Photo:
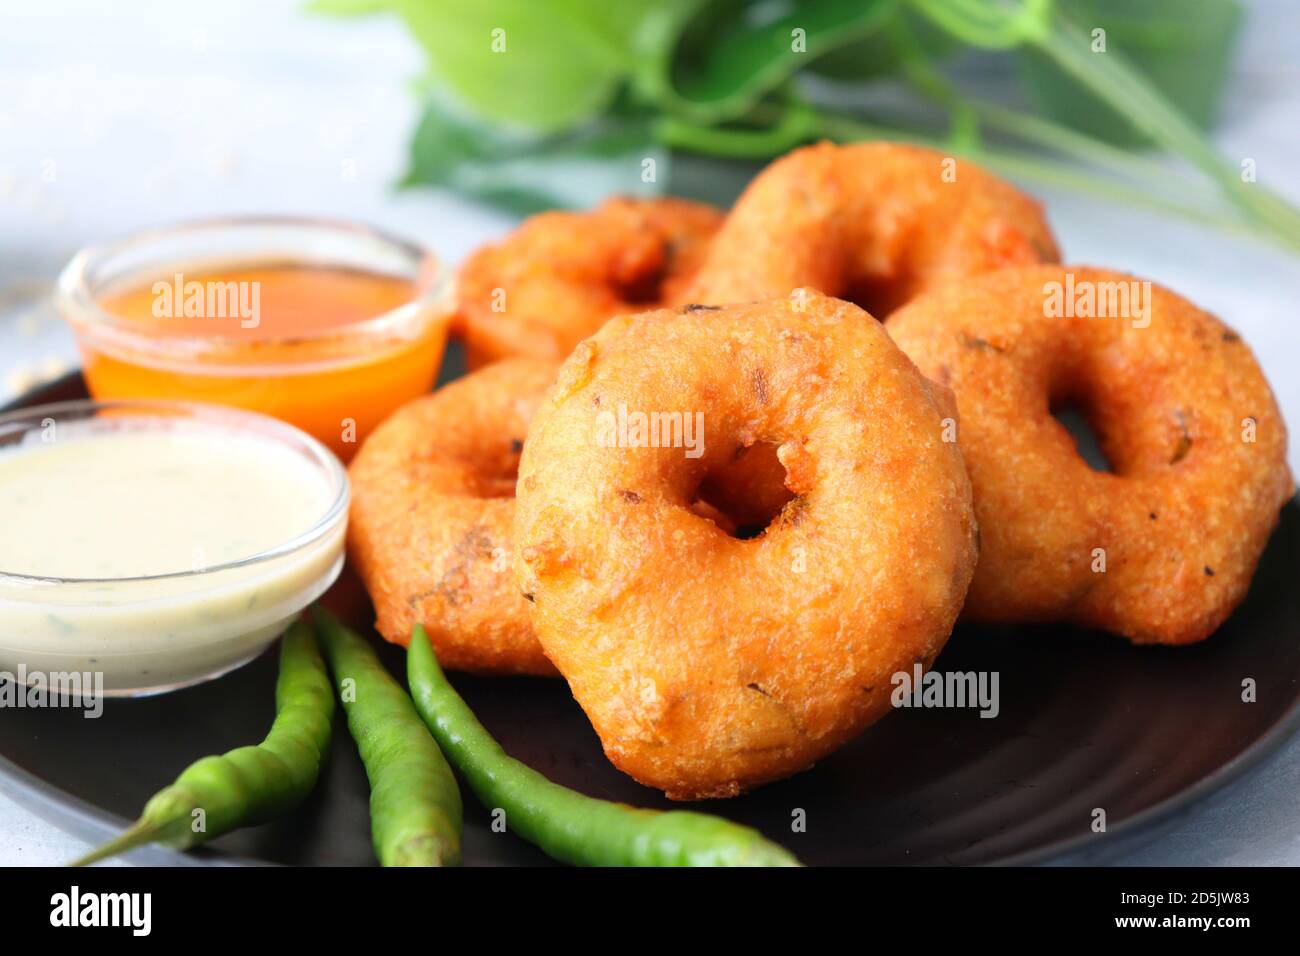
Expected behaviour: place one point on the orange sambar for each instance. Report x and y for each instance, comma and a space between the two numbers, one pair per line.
331, 349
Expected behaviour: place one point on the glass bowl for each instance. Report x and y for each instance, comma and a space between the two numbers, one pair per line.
336, 382
151, 633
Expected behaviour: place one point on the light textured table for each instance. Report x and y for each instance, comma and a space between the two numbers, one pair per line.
113, 116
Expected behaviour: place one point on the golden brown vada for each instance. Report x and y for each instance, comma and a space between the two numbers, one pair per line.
708, 663
553, 281
877, 223
1161, 548
432, 505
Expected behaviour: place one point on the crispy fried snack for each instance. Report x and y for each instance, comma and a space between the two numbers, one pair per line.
877, 223
1163, 547
432, 504
555, 279
707, 663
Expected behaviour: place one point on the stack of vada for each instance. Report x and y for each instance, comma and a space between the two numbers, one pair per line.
863, 350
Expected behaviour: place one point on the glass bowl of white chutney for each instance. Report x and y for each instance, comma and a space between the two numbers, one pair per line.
148, 545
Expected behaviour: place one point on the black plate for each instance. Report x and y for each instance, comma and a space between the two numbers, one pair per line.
1086, 722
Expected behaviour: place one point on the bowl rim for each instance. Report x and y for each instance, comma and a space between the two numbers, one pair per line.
238, 421
76, 301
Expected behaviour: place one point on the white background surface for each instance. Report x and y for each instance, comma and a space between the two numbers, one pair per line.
119, 115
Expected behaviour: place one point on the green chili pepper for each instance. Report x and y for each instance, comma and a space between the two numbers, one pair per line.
249, 785
565, 824
415, 809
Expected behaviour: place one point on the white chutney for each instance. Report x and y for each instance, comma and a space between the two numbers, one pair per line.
158, 544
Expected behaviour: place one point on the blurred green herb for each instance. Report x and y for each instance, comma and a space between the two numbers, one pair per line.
527, 171
1184, 52
596, 88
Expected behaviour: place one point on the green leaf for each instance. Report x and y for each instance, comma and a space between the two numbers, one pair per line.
543, 66
877, 55
348, 8
1185, 54
723, 68
527, 172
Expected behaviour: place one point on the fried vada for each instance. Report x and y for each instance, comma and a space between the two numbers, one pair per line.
1161, 547
877, 223
709, 663
432, 505
554, 280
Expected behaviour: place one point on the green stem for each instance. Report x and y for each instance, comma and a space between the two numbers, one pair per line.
1037, 24
794, 122
930, 82
992, 26
1062, 139
135, 836
1121, 86
843, 128
791, 122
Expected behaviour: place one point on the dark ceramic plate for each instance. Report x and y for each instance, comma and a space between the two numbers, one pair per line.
1087, 722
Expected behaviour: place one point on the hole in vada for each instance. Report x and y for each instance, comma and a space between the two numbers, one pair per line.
744, 496
498, 472
645, 287
1073, 417
879, 295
